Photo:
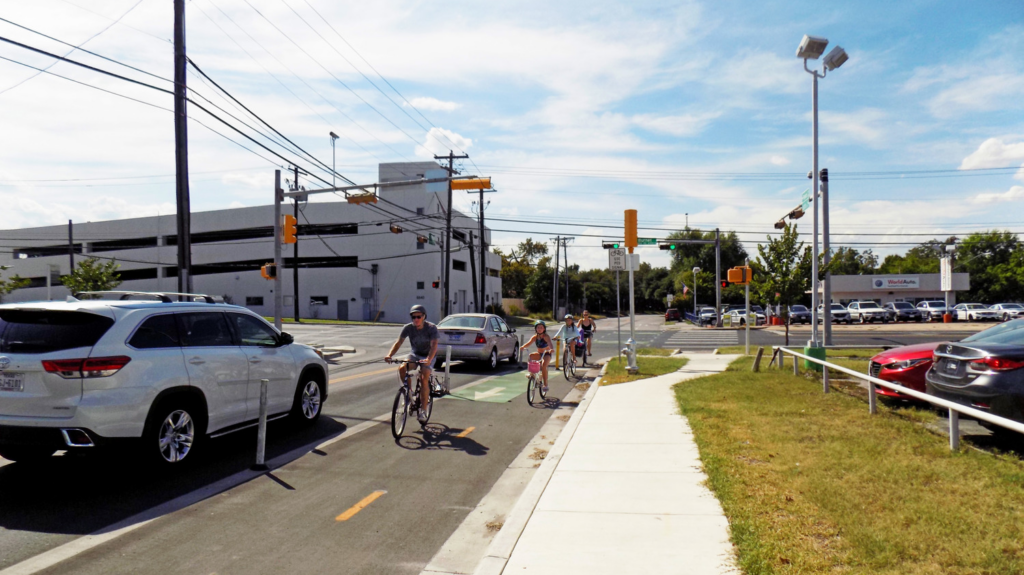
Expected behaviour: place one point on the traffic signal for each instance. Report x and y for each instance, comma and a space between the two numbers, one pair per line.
611, 245
435, 284
268, 271
725, 284
366, 198
290, 230
472, 184
396, 229
422, 239
630, 230
780, 224
740, 275
666, 246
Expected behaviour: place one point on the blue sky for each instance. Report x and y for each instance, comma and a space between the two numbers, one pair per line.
577, 110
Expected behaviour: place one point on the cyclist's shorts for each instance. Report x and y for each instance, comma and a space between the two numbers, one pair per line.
423, 367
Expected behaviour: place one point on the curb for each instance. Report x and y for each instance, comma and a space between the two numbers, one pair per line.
500, 550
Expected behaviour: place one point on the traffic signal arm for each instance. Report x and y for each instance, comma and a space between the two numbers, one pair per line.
472, 184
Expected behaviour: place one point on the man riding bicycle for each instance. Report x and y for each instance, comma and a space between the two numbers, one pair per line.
587, 329
422, 336
572, 335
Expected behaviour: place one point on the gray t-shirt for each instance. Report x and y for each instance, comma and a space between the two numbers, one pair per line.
420, 339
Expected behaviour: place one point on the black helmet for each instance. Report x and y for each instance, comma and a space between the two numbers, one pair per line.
418, 309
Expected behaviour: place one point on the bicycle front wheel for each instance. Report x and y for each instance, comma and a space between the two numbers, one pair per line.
399, 412
565, 363
531, 389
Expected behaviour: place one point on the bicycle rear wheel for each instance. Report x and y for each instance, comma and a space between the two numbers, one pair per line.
531, 389
399, 412
565, 363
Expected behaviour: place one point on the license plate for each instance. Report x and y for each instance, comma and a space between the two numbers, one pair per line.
454, 336
12, 381
952, 365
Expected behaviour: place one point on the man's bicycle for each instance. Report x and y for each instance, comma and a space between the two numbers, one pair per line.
569, 359
407, 400
586, 338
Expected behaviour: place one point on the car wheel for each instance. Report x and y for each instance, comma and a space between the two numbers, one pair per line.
25, 454
886, 320
514, 358
309, 399
862, 320
172, 432
1006, 317
970, 318
492, 360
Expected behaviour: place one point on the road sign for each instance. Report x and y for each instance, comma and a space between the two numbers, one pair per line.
805, 200
670, 297
646, 241
617, 260
946, 279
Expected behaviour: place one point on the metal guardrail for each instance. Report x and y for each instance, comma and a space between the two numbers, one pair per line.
955, 409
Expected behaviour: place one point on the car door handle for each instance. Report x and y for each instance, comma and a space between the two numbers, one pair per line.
196, 361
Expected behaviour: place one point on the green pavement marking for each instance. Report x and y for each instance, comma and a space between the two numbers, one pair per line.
500, 389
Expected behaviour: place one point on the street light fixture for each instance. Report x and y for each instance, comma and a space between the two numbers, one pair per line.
811, 48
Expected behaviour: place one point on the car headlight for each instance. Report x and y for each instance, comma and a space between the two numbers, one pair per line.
907, 363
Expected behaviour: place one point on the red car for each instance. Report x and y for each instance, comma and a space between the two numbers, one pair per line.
905, 366
673, 315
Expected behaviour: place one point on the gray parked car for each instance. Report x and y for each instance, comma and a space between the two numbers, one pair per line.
932, 310
839, 314
478, 337
799, 314
903, 311
867, 311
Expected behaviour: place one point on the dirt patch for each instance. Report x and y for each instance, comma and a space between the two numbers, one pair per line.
538, 454
565, 417
582, 386
495, 526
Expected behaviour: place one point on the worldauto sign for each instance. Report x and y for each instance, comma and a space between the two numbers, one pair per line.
900, 282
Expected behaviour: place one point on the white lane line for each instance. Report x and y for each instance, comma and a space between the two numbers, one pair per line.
84, 543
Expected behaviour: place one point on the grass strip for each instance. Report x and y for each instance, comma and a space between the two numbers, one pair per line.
811, 483
649, 367
655, 351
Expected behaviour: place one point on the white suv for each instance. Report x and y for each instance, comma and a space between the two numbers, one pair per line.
78, 375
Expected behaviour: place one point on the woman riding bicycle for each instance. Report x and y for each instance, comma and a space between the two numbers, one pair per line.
587, 329
545, 347
571, 335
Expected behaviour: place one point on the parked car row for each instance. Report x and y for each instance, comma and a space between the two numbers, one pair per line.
984, 371
869, 311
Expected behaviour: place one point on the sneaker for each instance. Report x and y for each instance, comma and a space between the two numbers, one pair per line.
422, 416
544, 389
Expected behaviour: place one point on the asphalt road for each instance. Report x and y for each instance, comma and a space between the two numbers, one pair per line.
218, 517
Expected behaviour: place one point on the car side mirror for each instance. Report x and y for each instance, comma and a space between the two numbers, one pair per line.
285, 339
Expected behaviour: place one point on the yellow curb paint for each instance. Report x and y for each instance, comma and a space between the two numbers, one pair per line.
350, 513
363, 375
466, 432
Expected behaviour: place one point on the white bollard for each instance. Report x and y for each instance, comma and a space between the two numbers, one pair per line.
796, 365
872, 401
954, 430
261, 436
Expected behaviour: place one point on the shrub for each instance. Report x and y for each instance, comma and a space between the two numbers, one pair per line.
514, 310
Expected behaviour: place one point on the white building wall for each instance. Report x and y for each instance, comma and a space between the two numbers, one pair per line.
402, 267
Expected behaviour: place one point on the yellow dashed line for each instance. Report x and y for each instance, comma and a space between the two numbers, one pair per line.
466, 432
351, 512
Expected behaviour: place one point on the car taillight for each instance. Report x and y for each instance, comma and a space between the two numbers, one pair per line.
66, 368
480, 339
91, 367
996, 364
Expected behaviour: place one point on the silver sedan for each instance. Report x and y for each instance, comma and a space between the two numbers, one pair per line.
478, 337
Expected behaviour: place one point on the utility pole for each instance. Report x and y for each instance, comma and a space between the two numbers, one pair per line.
184, 207
295, 255
451, 157
718, 278
565, 254
478, 306
71, 248
483, 256
278, 298
827, 296
554, 284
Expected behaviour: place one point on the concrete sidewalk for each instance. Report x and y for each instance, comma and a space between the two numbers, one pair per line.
628, 494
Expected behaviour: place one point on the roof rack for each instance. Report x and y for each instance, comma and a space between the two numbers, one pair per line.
164, 297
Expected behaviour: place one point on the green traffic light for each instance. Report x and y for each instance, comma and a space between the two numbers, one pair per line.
616, 246
671, 246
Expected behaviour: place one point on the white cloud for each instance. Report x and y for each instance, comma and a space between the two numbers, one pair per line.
682, 125
779, 160
995, 153
868, 126
1014, 193
433, 104
439, 141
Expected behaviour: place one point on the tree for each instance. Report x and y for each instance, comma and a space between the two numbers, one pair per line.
777, 275
529, 251
9, 285
514, 275
991, 259
849, 261
538, 287
90, 275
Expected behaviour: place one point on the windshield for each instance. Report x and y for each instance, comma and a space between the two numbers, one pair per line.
838, 307
470, 322
902, 305
934, 304
975, 306
1011, 306
756, 308
1009, 332
798, 308
45, 331
868, 304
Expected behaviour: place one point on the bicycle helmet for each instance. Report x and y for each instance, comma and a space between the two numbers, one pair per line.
568, 316
418, 309
540, 323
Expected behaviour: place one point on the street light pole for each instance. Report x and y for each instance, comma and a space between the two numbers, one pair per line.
334, 159
696, 317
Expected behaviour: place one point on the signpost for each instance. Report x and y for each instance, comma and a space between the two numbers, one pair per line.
617, 263
805, 200
647, 241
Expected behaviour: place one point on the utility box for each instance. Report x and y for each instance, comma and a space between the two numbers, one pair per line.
817, 353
